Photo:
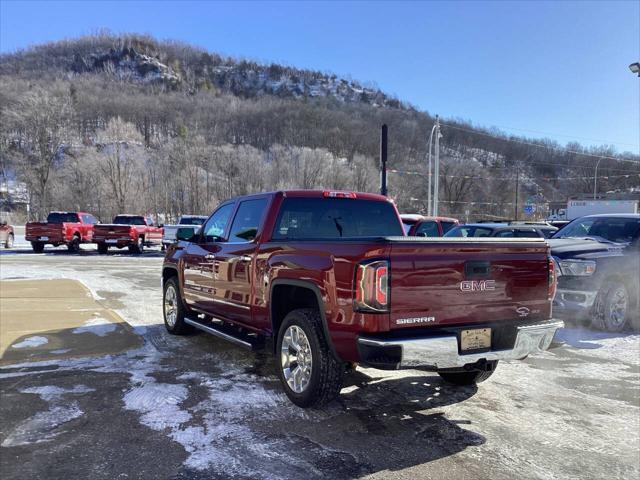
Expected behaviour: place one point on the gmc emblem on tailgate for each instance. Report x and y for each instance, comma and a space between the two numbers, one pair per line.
477, 285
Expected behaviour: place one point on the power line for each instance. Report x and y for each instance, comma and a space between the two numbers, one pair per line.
606, 142
546, 147
542, 177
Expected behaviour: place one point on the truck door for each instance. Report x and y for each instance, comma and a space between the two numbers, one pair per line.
198, 261
234, 263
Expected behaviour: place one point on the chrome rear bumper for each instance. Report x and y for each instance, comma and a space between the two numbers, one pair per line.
439, 352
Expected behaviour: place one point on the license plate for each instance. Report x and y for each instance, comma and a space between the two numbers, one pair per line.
44, 239
476, 339
111, 241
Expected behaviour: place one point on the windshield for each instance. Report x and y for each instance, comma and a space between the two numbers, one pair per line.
469, 231
192, 220
62, 217
619, 230
332, 218
129, 220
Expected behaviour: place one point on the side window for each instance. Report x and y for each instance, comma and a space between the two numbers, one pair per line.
505, 234
215, 228
427, 229
446, 226
247, 220
528, 233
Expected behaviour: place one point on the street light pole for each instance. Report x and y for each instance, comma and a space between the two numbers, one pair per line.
429, 203
436, 180
595, 180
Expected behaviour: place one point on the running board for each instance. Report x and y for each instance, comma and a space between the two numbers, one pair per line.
227, 333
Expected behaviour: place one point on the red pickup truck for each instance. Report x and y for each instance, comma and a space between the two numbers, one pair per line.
133, 231
61, 228
327, 280
421, 226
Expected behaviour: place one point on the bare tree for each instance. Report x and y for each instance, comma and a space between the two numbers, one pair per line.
42, 119
119, 147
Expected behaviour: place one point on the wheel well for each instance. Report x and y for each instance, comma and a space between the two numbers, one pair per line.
167, 273
285, 298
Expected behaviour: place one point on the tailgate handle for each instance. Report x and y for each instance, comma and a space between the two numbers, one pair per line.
477, 269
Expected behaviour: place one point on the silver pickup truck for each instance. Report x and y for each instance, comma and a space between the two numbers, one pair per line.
186, 221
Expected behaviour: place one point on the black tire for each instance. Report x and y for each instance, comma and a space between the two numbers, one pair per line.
103, 248
137, 247
37, 247
468, 378
177, 327
8, 243
326, 371
613, 307
74, 245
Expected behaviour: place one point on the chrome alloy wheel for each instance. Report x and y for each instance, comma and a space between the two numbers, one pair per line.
170, 306
618, 306
296, 359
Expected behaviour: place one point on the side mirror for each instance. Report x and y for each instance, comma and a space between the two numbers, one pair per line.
161, 225
185, 234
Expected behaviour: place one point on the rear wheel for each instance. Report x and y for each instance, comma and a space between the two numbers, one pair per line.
612, 310
9, 241
469, 378
137, 247
103, 248
309, 372
173, 309
74, 245
38, 247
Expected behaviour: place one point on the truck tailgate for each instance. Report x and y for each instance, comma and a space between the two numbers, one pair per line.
42, 230
111, 231
450, 281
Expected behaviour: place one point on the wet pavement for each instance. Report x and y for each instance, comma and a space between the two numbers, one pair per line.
159, 406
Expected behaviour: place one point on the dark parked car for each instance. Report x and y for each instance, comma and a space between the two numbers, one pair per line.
599, 267
502, 230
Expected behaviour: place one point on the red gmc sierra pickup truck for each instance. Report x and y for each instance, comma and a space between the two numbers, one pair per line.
133, 231
61, 228
326, 280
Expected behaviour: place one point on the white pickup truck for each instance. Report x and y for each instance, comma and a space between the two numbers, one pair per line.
186, 221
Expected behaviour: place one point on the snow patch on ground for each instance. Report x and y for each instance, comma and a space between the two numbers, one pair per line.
44, 426
31, 342
98, 326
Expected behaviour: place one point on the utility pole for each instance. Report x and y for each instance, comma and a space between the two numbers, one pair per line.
436, 180
383, 160
517, 185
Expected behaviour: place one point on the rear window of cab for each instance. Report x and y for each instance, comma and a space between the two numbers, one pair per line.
335, 218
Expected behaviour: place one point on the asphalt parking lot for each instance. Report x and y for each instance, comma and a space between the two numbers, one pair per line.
92, 387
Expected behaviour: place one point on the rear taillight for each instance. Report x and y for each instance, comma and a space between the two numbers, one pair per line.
553, 279
372, 287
